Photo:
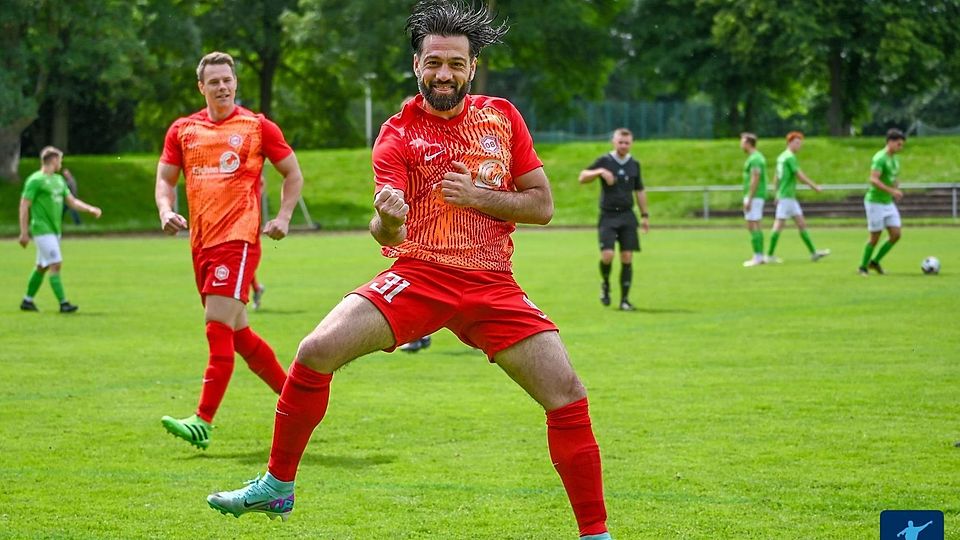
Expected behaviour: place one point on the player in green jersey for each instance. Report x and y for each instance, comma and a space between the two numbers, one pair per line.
41, 216
754, 194
879, 202
785, 186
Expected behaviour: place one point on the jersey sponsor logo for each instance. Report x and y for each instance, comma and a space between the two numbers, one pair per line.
229, 161
198, 171
490, 144
491, 174
235, 140
221, 272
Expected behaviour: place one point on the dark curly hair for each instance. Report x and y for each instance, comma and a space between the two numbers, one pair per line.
454, 18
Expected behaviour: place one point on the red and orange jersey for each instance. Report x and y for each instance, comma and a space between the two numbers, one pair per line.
413, 152
222, 162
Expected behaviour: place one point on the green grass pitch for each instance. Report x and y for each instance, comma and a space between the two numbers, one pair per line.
795, 401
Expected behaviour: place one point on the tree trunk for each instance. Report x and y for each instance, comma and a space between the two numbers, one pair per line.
10, 148
61, 124
835, 115
271, 60
480, 78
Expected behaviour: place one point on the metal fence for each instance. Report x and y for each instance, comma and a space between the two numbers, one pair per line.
954, 188
647, 120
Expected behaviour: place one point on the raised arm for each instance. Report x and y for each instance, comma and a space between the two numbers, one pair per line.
290, 190
589, 175
388, 226
532, 202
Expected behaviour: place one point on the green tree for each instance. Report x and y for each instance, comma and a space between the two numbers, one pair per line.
61, 52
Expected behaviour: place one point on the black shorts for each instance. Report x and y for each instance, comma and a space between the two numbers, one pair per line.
619, 227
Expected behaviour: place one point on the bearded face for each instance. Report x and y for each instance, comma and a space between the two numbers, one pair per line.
443, 96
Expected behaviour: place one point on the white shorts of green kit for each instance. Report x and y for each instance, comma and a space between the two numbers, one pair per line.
756, 210
48, 249
880, 216
788, 208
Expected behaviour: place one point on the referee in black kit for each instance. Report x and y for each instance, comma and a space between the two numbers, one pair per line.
621, 182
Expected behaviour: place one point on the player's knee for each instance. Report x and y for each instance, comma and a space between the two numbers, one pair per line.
894, 236
315, 352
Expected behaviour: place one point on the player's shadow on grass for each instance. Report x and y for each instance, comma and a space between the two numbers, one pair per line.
662, 311
260, 457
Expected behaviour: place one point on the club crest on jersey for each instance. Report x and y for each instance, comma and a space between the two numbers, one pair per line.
490, 144
235, 140
229, 161
221, 272
490, 174
430, 150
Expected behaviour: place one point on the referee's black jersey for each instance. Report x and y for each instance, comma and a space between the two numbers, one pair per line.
618, 197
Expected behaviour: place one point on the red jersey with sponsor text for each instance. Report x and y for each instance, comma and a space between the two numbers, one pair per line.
222, 162
413, 152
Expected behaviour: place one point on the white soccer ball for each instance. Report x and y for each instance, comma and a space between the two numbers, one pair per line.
930, 265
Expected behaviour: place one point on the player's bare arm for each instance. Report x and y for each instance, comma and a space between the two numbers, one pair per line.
165, 195
875, 180
24, 222
806, 180
77, 204
531, 203
388, 226
278, 227
589, 175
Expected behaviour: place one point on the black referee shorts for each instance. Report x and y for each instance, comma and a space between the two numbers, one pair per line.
619, 227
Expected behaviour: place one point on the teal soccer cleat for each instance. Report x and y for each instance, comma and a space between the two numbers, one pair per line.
194, 430
263, 494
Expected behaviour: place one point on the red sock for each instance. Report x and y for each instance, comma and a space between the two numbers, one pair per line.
219, 369
302, 405
260, 358
576, 457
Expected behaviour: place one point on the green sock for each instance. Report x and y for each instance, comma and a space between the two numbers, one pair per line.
887, 246
867, 252
805, 236
756, 239
57, 286
774, 238
36, 279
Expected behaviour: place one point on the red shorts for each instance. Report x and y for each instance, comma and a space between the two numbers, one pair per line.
226, 269
485, 309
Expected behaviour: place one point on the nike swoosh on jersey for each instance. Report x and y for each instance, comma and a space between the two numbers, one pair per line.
429, 157
219, 283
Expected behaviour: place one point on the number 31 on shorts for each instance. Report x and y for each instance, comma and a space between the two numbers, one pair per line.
391, 286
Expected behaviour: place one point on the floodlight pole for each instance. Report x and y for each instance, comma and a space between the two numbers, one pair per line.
368, 107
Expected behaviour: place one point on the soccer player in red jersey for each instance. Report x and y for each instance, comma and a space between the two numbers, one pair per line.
221, 151
454, 173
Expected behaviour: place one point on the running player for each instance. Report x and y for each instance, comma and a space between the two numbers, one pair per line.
41, 218
454, 172
221, 151
785, 186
